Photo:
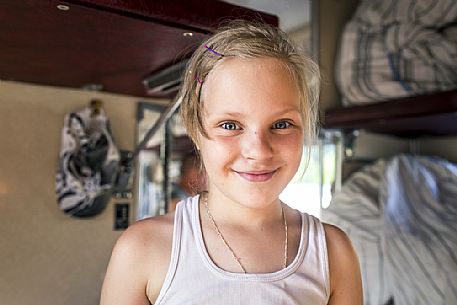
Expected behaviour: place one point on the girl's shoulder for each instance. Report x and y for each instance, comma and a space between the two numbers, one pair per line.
141, 257
151, 228
153, 237
151, 233
335, 235
345, 279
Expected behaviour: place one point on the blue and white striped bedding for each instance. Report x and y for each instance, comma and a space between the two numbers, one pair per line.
397, 48
401, 216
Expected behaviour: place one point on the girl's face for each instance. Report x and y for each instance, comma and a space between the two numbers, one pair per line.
251, 114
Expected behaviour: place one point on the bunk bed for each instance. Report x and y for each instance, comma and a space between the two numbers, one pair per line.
400, 211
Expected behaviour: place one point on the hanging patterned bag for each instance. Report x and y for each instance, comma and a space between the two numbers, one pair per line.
88, 162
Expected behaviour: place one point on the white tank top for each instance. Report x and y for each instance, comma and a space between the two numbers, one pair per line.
193, 278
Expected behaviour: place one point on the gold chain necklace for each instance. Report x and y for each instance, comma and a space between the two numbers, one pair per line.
237, 259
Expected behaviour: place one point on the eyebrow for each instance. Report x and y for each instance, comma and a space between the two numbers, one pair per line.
239, 114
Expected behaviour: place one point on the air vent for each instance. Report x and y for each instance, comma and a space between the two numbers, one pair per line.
167, 80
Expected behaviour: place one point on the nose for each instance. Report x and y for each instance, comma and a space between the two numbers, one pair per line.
257, 145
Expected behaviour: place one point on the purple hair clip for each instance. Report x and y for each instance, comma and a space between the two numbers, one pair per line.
214, 52
198, 80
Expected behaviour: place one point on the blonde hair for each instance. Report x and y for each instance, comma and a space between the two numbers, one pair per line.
248, 40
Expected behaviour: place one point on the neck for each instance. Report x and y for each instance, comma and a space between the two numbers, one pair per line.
246, 213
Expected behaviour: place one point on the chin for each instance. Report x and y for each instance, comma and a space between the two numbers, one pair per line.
255, 198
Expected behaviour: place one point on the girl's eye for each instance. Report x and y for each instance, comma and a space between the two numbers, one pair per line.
282, 125
229, 126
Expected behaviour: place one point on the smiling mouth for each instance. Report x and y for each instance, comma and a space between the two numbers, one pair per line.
256, 176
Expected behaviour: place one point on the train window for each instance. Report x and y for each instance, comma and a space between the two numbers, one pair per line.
317, 177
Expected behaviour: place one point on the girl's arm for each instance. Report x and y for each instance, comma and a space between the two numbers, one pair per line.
139, 263
126, 278
345, 278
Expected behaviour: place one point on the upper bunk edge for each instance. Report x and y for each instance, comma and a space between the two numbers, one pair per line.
431, 114
201, 15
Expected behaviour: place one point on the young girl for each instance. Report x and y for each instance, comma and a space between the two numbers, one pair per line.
249, 105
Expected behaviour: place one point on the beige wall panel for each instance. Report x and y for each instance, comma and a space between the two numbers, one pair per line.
444, 147
333, 14
302, 37
47, 257
374, 146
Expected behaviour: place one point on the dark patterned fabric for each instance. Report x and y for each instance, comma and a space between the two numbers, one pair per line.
87, 163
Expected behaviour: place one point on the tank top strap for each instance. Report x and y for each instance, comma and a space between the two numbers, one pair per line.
316, 255
179, 221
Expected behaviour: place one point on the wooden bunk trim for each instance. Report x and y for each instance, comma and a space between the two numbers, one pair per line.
111, 45
432, 114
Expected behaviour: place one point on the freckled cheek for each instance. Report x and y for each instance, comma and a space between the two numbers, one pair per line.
291, 147
292, 142
219, 153
224, 147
